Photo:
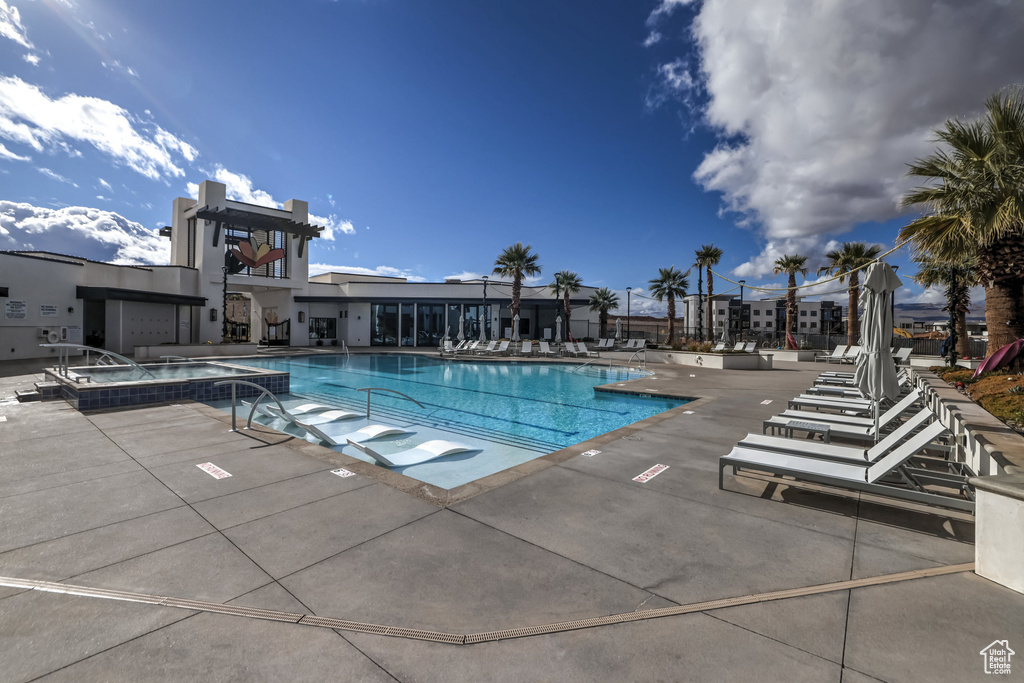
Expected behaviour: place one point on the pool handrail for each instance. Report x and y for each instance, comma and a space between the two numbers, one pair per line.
641, 362
370, 390
264, 392
168, 359
64, 357
592, 360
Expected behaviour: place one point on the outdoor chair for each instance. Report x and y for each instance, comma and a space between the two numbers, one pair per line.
902, 356
843, 426
526, 349
321, 412
428, 450
544, 349
897, 409
490, 348
582, 350
836, 356
720, 346
750, 347
891, 476
501, 350
367, 433
851, 355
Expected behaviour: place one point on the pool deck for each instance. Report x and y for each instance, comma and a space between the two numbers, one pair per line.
115, 501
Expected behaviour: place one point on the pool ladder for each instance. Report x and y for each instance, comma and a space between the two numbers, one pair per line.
234, 404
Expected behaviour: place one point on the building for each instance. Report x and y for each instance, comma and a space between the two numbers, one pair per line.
763, 318
257, 258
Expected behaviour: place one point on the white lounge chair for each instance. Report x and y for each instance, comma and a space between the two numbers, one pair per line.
901, 356
836, 356
851, 355
526, 349
738, 347
469, 347
828, 451
489, 348
911, 483
569, 348
720, 346
582, 350
750, 347
366, 433
906, 403
501, 350
843, 426
605, 344
323, 413
545, 349
426, 451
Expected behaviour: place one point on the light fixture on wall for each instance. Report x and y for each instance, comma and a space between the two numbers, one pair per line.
213, 315
71, 309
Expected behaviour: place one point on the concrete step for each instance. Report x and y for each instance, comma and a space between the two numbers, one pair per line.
28, 395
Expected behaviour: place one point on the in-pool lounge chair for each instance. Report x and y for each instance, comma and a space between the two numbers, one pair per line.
426, 451
323, 413
895, 475
367, 433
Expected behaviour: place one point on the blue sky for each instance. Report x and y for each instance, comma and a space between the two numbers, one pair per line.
615, 137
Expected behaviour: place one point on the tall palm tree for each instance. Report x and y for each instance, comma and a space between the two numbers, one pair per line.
709, 255
602, 301
669, 284
845, 262
516, 262
956, 279
975, 205
567, 283
791, 265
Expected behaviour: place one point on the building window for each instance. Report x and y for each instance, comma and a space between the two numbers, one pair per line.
803, 324
814, 325
768, 323
323, 328
721, 323
803, 314
814, 314
757, 324
721, 311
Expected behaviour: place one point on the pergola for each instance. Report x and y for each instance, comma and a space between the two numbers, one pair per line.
254, 220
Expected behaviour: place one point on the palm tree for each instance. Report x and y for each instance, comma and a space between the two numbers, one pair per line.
567, 283
516, 262
791, 265
669, 284
956, 278
845, 262
975, 205
603, 300
708, 255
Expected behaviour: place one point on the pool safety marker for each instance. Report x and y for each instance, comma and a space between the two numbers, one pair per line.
766, 401
213, 470
693, 375
687, 412
650, 474
343, 472
590, 453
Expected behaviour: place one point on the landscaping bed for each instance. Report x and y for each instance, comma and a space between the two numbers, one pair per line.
1001, 392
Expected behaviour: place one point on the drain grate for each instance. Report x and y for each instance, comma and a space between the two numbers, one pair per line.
488, 636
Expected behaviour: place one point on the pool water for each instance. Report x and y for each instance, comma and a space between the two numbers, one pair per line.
515, 410
156, 371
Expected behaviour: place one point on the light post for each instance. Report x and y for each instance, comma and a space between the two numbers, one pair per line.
700, 303
487, 317
628, 290
742, 282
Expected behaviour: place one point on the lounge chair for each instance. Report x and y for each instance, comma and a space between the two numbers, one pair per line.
501, 350
819, 403
360, 435
582, 350
851, 355
738, 347
897, 409
750, 347
322, 412
902, 356
526, 349
545, 350
836, 356
830, 451
720, 346
428, 450
910, 481
634, 344
469, 347
489, 349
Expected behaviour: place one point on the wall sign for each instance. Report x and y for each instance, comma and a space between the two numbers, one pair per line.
15, 310
48, 310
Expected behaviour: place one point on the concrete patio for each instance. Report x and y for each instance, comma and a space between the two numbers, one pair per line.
115, 501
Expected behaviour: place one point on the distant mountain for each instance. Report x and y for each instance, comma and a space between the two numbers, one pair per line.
934, 312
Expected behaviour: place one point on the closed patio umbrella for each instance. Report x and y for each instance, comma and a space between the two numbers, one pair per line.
462, 334
515, 328
876, 372
483, 330
558, 328
618, 329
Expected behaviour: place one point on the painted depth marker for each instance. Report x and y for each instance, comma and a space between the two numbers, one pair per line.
343, 472
687, 412
590, 454
650, 474
766, 401
213, 470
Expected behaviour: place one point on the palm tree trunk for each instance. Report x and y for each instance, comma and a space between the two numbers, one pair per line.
790, 307
852, 321
963, 342
1002, 314
517, 286
711, 289
671, 318
602, 322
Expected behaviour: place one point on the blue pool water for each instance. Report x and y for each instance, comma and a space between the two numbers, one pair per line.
531, 408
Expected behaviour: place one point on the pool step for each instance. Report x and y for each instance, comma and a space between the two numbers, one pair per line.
28, 395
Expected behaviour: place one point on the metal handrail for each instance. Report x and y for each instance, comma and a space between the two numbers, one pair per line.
592, 360
642, 362
370, 390
344, 347
170, 358
64, 357
264, 392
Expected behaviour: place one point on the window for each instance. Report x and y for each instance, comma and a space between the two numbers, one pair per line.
803, 314
814, 314
803, 324
721, 323
814, 325
757, 324
721, 311
768, 323
323, 328
383, 324
757, 312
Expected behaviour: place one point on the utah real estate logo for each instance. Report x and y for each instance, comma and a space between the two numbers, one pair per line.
997, 657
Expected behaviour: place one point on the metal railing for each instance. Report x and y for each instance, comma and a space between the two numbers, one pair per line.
592, 360
168, 359
252, 411
64, 357
369, 391
641, 362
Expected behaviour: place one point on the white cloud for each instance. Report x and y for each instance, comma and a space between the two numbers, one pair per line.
30, 117
239, 187
11, 27
56, 176
118, 67
81, 231
31, 59
822, 105
652, 38
105, 184
666, 7
8, 154
385, 271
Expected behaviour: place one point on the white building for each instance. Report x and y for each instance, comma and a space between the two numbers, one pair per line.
220, 246
765, 317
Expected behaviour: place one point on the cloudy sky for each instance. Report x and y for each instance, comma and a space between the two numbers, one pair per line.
614, 137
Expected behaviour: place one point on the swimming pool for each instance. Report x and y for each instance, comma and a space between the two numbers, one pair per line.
529, 408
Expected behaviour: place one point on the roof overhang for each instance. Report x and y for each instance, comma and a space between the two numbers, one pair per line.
116, 294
